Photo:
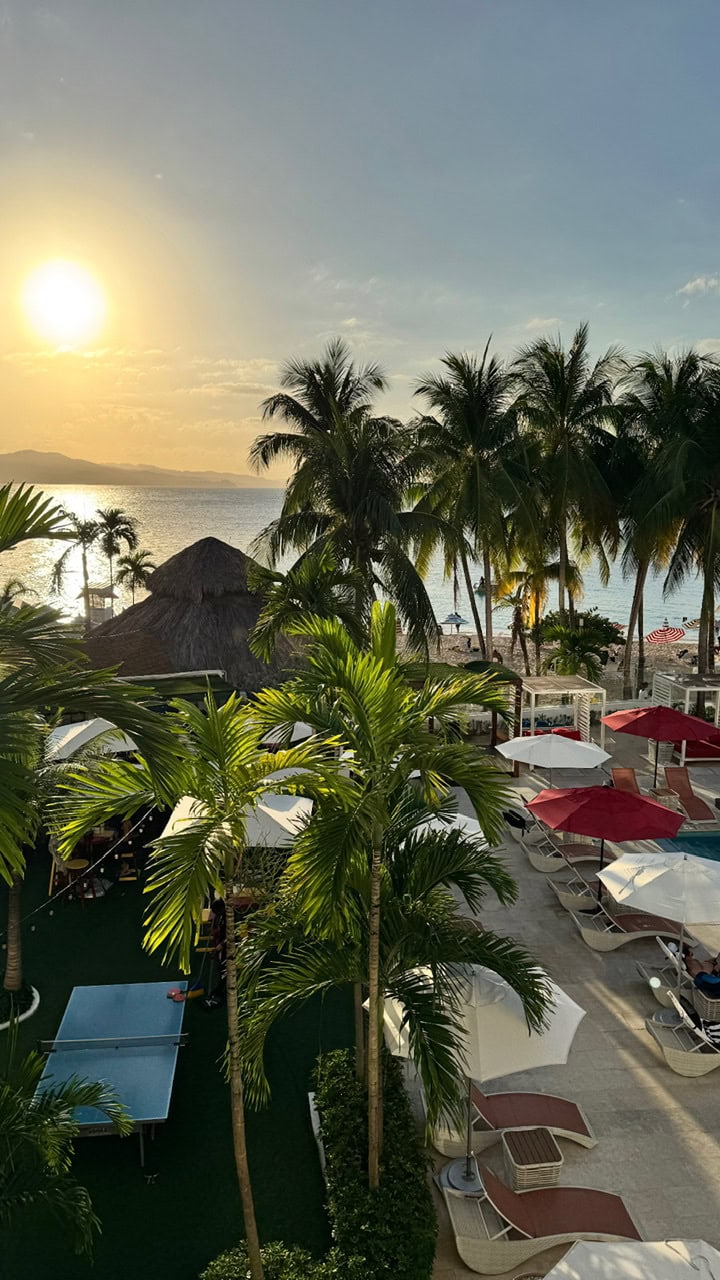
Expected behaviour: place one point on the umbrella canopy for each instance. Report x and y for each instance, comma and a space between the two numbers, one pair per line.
605, 813
665, 634
662, 724
273, 823
455, 620
633, 1260
66, 739
671, 883
552, 751
459, 822
495, 1031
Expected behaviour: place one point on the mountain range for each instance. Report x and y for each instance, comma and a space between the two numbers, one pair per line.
35, 467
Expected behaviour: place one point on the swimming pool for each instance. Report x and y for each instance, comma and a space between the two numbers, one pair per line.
700, 843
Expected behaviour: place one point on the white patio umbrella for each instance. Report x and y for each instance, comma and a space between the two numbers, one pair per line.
66, 739
497, 1040
636, 1260
673, 884
554, 751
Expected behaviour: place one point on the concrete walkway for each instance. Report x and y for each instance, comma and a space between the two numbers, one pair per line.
659, 1133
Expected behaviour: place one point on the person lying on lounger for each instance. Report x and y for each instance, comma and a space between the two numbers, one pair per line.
704, 973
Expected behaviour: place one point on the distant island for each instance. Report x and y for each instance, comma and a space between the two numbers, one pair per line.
32, 466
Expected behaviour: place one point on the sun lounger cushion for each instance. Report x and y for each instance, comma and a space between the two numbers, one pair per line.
560, 1210
528, 1110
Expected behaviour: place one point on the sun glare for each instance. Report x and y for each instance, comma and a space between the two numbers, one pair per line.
64, 303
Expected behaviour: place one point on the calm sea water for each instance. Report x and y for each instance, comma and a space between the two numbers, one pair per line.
169, 519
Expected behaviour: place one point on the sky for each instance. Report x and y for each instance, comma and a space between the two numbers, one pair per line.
247, 178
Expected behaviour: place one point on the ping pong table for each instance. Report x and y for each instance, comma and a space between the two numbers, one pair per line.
126, 1036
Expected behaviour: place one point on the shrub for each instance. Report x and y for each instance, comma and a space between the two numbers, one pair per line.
394, 1228
285, 1262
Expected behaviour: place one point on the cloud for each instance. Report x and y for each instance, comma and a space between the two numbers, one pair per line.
700, 285
708, 346
542, 322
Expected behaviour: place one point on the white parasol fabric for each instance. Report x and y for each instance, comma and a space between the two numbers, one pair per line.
553, 751
66, 739
636, 1260
671, 883
459, 822
497, 1039
273, 823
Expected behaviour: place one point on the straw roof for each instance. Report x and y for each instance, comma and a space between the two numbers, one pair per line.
196, 618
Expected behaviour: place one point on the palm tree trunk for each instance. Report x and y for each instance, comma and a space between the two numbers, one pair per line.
375, 1011
563, 559
522, 638
13, 961
110, 562
640, 576
237, 1100
473, 603
86, 590
538, 644
487, 571
641, 641
359, 1030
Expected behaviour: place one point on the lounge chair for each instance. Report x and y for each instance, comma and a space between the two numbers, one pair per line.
678, 780
495, 1113
687, 1049
550, 857
667, 975
542, 1219
605, 932
580, 893
626, 780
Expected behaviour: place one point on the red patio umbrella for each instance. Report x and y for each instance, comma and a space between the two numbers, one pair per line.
607, 814
662, 724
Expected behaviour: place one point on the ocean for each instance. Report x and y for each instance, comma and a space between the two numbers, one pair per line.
169, 519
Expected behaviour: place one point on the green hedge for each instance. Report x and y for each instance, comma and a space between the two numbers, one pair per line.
285, 1262
394, 1229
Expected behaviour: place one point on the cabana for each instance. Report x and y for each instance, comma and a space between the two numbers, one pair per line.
671, 689
582, 692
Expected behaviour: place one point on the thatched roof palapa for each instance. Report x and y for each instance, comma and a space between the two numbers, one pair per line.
196, 618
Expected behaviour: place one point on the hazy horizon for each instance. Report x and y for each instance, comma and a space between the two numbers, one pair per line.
244, 181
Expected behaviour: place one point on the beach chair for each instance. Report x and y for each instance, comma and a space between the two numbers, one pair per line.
496, 1113
689, 1050
667, 975
626, 780
580, 893
605, 932
539, 1220
678, 780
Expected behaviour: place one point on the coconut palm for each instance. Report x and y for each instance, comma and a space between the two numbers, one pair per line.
315, 585
565, 404
37, 1133
115, 530
223, 767
471, 439
353, 475
134, 570
363, 698
577, 652
425, 874
84, 537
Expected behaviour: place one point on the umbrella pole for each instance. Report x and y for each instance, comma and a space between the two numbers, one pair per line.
657, 748
602, 864
680, 957
469, 1171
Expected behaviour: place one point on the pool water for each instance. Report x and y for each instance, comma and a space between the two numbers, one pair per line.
700, 844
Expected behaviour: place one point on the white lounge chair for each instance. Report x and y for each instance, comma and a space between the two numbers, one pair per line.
667, 975
687, 1049
602, 931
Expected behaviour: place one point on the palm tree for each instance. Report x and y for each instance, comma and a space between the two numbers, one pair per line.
363, 699
316, 584
352, 480
223, 767
134, 569
115, 528
472, 445
577, 652
37, 1132
84, 536
425, 874
565, 404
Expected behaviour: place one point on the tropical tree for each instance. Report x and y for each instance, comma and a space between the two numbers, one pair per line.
316, 584
565, 405
37, 1133
423, 939
577, 651
134, 570
115, 530
472, 443
362, 698
223, 768
83, 537
351, 484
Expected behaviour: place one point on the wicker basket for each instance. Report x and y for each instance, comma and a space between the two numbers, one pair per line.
707, 1008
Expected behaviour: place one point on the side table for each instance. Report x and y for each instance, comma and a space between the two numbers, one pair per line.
663, 795
533, 1158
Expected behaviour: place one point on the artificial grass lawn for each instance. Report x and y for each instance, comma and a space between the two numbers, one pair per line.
171, 1218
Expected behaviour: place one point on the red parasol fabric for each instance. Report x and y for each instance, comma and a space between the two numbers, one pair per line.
665, 635
607, 814
662, 724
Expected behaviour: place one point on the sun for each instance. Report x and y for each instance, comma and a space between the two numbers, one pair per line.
64, 303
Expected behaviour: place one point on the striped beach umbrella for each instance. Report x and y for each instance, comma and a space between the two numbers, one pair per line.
665, 634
